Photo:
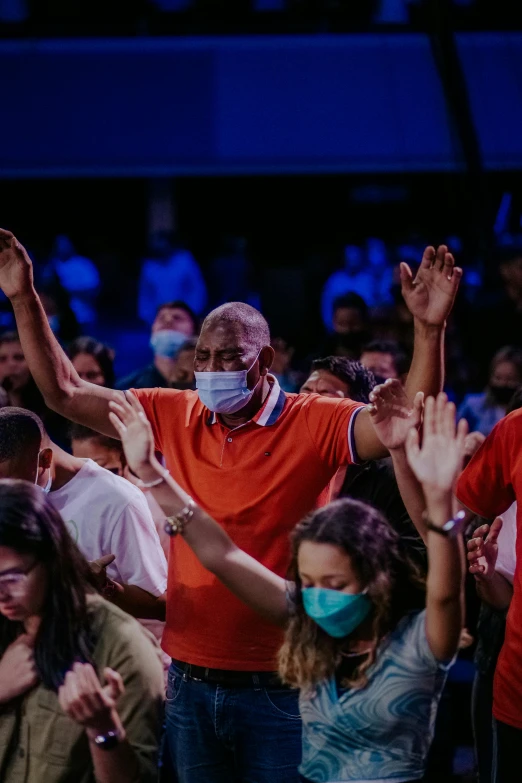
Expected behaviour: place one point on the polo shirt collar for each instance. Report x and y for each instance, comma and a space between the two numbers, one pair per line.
271, 409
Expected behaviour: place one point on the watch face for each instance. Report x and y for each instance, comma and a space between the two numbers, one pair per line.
107, 741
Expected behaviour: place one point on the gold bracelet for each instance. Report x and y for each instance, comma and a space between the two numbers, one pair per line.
176, 524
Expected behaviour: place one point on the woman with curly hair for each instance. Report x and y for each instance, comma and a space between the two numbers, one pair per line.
369, 657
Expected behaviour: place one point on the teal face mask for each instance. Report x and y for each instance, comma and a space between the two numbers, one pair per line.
335, 612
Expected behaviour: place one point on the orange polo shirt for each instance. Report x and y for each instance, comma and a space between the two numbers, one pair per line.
488, 486
257, 481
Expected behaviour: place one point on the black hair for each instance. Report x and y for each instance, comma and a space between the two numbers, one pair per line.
80, 433
400, 358
511, 354
29, 524
351, 301
179, 304
359, 380
21, 431
9, 337
102, 353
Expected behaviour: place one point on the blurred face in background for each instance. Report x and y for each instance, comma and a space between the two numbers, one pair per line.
327, 385
347, 320
174, 319
283, 354
14, 372
381, 364
87, 367
109, 458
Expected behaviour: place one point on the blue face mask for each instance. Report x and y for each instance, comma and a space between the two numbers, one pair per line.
224, 392
167, 342
335, 612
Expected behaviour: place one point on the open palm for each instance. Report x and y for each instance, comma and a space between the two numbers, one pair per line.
438, 462
430, 295
131, 424
16, 269
392, 414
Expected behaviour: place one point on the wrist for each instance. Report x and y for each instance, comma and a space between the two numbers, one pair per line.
104, 726
428, 331
439, 508
25, 296
148, 471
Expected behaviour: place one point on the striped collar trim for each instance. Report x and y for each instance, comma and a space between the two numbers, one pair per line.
272, 406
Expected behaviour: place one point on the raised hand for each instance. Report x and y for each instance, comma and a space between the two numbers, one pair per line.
483, 551
17, 669
438, 462
83, 699
16, 269
392, 414
131, 424
429, 295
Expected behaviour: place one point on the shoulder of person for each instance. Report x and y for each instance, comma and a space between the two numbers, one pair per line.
118, 634
120, 490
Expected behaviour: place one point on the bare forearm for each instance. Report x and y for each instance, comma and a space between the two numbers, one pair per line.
445, 558
411, 491
497, 592
53, 372
427, 367
139, 603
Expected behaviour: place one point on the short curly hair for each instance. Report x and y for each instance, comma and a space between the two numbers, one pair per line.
359, 380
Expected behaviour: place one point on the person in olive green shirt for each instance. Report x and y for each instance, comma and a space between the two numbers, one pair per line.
81, 682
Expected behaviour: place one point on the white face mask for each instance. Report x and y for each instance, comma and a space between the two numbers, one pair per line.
225, 392
47, 487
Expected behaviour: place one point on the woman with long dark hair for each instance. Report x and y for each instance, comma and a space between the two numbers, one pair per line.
369, 658
80, 683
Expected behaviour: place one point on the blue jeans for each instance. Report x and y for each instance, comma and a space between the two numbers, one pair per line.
217, 734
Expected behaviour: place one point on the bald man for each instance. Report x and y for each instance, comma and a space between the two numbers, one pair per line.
256, 459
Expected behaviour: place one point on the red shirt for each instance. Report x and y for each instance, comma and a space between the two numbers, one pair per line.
489, 485
257, 481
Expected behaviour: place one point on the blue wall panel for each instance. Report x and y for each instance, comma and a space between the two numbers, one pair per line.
238, 105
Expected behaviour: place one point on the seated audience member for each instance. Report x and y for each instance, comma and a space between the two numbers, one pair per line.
108, 453
373, 482
93, 361
385, 359
483, 411
350, 327
76, 274
104, 514
15, 376
60, 314
175, 323
170, 270
353, 590
81, 684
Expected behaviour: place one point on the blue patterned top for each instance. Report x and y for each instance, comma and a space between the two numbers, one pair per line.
383, 731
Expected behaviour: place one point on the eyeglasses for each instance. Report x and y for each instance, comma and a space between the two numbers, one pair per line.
14, 584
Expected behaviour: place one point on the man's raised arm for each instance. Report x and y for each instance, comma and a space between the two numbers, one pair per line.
429, 298
55, 376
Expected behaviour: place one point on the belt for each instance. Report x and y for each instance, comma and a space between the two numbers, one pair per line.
231, 679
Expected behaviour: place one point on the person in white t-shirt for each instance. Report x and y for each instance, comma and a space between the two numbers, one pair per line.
105, 514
